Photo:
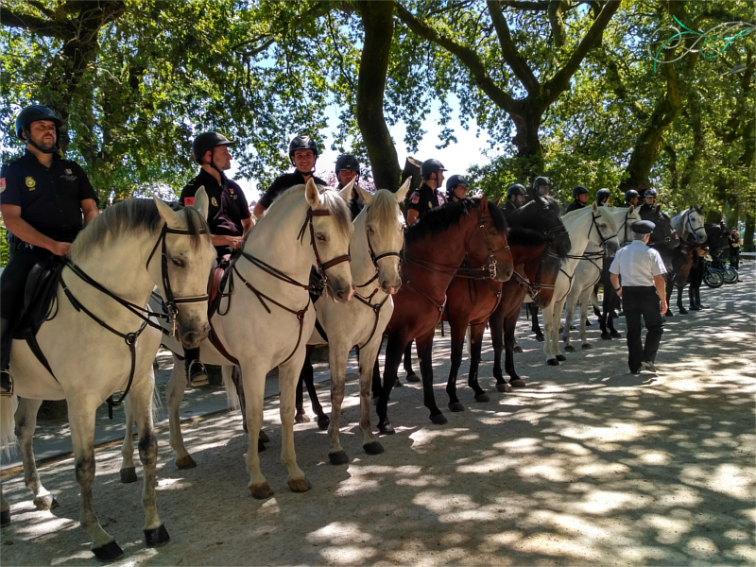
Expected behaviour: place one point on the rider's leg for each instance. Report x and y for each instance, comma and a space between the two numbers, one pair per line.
195, 371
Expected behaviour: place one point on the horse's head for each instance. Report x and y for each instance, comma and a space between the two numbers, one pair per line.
487, 242
544, 216
383, 223
607, 222
331, 230
663, 233
693, 226
181, 267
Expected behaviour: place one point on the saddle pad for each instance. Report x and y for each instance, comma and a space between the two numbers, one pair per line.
40, 291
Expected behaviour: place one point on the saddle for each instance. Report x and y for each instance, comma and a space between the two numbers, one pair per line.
219, 276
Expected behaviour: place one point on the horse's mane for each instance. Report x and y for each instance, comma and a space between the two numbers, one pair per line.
134, 216
334, 204
383, 208
525, 237
441, 218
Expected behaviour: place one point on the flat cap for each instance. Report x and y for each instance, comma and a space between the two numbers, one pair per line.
642, 227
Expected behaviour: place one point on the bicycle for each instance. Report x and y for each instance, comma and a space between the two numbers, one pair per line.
713, 276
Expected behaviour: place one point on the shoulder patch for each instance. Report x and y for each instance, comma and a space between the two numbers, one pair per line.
188, 201
2, 184
415, 198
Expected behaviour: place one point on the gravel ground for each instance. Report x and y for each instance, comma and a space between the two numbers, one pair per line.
588, 465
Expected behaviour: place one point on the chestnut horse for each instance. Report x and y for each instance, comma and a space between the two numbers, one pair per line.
534, 230
435, 247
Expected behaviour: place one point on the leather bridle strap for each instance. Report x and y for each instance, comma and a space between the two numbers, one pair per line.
322, 266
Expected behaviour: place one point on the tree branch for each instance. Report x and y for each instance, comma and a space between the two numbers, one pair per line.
33, 24
509, 50
527, 6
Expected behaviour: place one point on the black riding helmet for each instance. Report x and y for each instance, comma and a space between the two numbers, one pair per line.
431, 166
602, 194
630, 194
302, 143
516, 189
452, 183
541, 182
346, 162
650, 192
206, 142
35, 113
579, 190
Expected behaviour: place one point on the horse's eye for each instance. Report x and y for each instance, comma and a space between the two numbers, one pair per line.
320, 236
370, 230
178, 262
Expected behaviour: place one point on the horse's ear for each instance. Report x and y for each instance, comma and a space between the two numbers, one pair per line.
701, 208
484, 203
630, 210
312, 194
402, 192
346, 192
201, 202
366, 197
498, 199
167, 214
594, 206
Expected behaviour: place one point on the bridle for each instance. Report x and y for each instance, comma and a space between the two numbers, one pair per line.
533, 289
598, 231
691, 229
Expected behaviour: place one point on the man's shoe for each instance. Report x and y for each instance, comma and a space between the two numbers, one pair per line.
636, 371
6, 384
694, 307
197, 374
649, 366
702, 306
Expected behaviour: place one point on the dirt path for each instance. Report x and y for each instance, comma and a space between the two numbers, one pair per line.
588, 465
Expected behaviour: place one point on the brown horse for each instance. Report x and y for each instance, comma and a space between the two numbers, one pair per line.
435, 247
541, 217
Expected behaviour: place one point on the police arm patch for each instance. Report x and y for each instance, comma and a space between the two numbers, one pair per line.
2, 184
415, 199
188, 201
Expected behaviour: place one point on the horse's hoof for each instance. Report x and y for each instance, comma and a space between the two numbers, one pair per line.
108, 552
260, 446
586, 346
539, 338
552, 362
323, 422
606, 336
518, 383
128, 475
482, 398
299, 485
157, 537
373, 448
338, 458
5, 517
413, 378
616, 334
454, 406
261, 491
185, 463
386, 429
46, 502
301, 418
561, 358
439, 419
503, 387
262, 436
517, 348
569, 348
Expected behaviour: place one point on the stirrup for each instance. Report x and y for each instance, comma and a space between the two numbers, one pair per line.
197, 374
6, 389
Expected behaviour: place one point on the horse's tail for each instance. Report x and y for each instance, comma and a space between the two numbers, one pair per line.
231, 394
8, 405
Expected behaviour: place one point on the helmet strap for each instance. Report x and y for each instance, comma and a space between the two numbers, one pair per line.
34, 144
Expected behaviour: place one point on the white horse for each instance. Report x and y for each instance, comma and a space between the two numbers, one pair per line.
591, 224
376, 248
100, 342
270, 316
689, 224
587, 275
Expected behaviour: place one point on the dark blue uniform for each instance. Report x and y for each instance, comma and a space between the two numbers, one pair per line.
425, 199
284, 182
574, 206
228, 205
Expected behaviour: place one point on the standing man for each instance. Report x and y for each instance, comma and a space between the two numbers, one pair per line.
228, 216
602, 197
348, 168
631, 198
42, 200
515, 198
428, 196
456, 188
734, 242
303, 153
643, 295
579, 199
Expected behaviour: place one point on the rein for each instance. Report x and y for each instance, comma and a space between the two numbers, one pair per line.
533, 289
691, 229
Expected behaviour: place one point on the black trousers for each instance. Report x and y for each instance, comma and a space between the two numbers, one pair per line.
12, 287
734, 258
643, 302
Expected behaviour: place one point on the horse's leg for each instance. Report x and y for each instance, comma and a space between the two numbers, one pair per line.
338, 356
569, 314
496, 322
680, 306
458, 330
377, 387
140, 400
669, 285
410, 374
288, 374
558, 308
510, 324
549, 314
476, 343
128, 470
394, 350
584, 306
300, 416
425, 355
174, 393
26, 423
317, 409
81, 414
368, 366
253, 379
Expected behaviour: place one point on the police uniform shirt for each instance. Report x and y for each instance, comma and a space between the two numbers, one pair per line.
425, 199
637, 263
574, 206
284, 182
509, 207
50, 198
228, 205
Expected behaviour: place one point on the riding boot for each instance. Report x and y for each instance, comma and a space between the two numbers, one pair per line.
195, 371
698, 299
693, 302
6, 339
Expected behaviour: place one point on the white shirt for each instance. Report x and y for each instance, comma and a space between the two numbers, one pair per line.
637, 264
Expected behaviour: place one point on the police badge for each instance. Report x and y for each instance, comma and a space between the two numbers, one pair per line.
213, 201
30, 183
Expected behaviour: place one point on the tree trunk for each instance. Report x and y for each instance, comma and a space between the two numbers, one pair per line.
378, 23
750, 226
529, 150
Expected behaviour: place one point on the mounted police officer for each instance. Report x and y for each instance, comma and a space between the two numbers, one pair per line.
228, 216
43, 198
348, 168
303, 153
643, 295
456, 188
579, 198
631, 198
428, 196
649, 198
602, 197
541, 187
516, 194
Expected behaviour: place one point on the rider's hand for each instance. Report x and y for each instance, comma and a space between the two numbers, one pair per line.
234, 242
60, 248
